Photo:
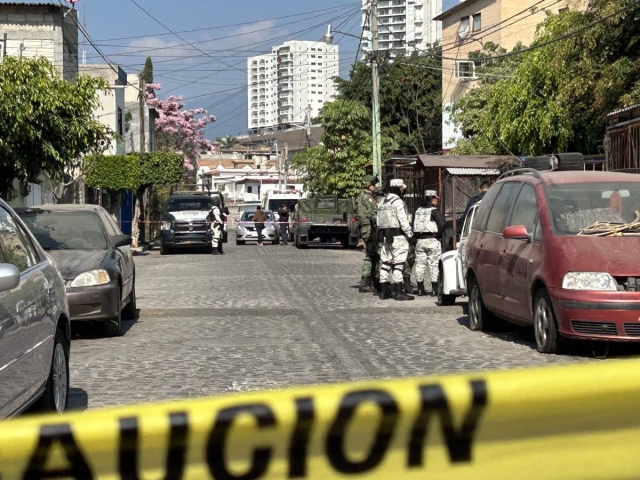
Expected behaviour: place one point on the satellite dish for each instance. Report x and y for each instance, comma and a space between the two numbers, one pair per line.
463, 30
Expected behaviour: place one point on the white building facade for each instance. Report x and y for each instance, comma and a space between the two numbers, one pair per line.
403, 25
291, 83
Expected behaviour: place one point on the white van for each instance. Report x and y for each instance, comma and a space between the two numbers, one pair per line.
274, 200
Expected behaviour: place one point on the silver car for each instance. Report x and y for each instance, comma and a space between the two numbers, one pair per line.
35, 333
246, 229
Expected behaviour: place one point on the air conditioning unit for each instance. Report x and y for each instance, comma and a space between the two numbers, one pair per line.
465, 69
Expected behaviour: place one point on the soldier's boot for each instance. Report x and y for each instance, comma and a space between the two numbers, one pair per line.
375, 285
434, 289
364, 286
407, 288
421, 291
385, 291
215, 251
398, 293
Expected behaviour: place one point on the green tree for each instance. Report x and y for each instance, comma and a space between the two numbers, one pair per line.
147, 71
337, 164
556, 96
410, 99
46, 123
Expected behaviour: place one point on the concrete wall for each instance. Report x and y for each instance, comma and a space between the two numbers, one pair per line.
43, 31
111, 112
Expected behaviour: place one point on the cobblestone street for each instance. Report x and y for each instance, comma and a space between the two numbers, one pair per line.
274, 317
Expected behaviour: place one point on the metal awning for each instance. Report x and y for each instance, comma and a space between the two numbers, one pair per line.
463, 161
473, 171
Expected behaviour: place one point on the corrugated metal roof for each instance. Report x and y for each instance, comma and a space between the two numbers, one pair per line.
622, 110
473, 171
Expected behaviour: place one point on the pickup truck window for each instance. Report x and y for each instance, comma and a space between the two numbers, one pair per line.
184, 205
326, 204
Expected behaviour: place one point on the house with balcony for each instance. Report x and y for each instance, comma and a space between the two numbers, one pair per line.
472, 23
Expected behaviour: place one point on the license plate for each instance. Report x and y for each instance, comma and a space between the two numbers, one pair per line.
190, 214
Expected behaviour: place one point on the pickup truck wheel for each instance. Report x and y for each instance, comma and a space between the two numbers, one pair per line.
164, 250
345, 243
298, 244
444, 300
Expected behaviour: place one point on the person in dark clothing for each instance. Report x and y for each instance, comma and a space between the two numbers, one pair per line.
283, 213
473, 200
258, 219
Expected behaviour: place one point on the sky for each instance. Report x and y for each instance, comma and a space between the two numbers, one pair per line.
199, 47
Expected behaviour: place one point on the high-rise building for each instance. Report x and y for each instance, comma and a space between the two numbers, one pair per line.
403, 25
285, 85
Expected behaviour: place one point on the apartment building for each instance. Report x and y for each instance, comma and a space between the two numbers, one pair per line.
470, 24
403, 25
293, 81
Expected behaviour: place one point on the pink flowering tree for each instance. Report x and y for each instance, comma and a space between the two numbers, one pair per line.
180, 130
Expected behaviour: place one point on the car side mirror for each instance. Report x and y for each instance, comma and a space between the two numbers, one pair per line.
121, 241
516, 232
9, 277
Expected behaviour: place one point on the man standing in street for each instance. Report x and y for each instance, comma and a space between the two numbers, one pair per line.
215, 217
395, 232
428, 225
283, 215
484, 186
366, 213
258, 220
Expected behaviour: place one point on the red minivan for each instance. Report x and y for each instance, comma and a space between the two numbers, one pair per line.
532, 260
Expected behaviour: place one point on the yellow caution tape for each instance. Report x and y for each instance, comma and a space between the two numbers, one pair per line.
575, 422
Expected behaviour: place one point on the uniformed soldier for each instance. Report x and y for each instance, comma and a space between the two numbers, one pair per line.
379, 195
215, 217
428, 225
366, 212
394, 232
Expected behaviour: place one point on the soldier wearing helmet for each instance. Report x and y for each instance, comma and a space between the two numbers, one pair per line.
428, 225
366, 211
394, 231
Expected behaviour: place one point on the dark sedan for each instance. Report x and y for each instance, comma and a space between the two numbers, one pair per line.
94, 258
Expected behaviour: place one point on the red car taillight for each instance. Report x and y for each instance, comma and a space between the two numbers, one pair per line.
304, 219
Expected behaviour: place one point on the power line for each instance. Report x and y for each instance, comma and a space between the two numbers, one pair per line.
177, 35
223, 26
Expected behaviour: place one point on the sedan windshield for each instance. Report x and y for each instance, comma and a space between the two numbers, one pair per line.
66, 230
248, 216
184, 205
577, 207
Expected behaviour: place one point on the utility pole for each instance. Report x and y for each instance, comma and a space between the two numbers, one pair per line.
286, 165
143, 142
375, 76
308, 121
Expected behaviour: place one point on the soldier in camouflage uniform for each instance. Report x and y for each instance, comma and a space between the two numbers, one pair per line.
366, 211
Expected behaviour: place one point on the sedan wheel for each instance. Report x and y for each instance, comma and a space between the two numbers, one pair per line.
60, 378
56, 392
544, 324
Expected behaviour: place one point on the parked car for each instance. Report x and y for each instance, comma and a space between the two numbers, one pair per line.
452, 278
94, 258
246, 230
247, 207
35, 333
533, 259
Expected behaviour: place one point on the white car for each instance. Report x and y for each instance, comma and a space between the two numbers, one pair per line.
452, 276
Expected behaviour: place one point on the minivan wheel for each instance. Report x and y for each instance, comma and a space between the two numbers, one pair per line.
479, 317
545, 326
56, 391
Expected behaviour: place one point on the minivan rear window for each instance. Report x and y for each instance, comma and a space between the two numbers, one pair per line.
574, 207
